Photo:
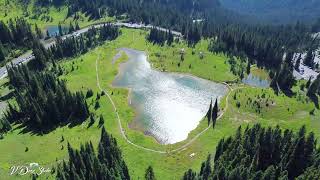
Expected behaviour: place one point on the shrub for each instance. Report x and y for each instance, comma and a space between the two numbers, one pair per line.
89, 93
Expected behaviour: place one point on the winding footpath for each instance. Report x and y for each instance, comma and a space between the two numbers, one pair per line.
181, 148
117, 114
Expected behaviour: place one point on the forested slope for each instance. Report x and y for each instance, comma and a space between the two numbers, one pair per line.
167, 13
276, 11
263, 153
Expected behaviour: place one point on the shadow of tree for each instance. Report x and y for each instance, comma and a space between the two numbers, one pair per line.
289, 93
7, 96
315, 100
33, 130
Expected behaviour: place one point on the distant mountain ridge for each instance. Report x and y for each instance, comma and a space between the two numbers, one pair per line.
276, 11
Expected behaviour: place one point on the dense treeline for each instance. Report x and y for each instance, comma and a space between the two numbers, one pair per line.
255, 153
160, 12
15, 34
265, 45
315, 86
166, 13
283, 78
17, 31
43, 102
192, 33
263, 153
316, 26
314, 90
309, 58
160, 37
41, 56
48, 2
74, 45
84, 164
275, 11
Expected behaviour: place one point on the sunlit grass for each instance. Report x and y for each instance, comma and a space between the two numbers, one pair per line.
47, 149
56, 15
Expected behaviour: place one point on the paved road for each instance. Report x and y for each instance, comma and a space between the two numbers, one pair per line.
48, 43
23, 58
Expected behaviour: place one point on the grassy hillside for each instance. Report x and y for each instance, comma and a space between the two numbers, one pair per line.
42, 16
48, 149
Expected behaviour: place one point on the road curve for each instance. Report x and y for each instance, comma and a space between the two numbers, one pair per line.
47, 44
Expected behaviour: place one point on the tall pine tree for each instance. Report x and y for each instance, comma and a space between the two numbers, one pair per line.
215, 111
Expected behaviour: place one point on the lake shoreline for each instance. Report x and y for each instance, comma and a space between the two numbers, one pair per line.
134, 124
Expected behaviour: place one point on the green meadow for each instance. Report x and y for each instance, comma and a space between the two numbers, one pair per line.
80, 74
44, 17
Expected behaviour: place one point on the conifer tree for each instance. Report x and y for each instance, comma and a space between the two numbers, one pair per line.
262, 153
71, 28
106, 164
309, 59
189, 175
101, 121
170, 38
308, 82
209, 113
60, 29
5, 126
248, 68
219, 149
206, 168
314, 87
38, 32
284, 79
149, 175
77, 26
97, 105
215, 111
92, 120
2, 56
47, 34
43, 101
297, 65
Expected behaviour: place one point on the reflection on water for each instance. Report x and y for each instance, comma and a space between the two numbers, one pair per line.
168, 106
54, 30
257, 81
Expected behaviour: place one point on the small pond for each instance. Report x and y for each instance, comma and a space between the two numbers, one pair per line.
257, 81
54, 30
168, 106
